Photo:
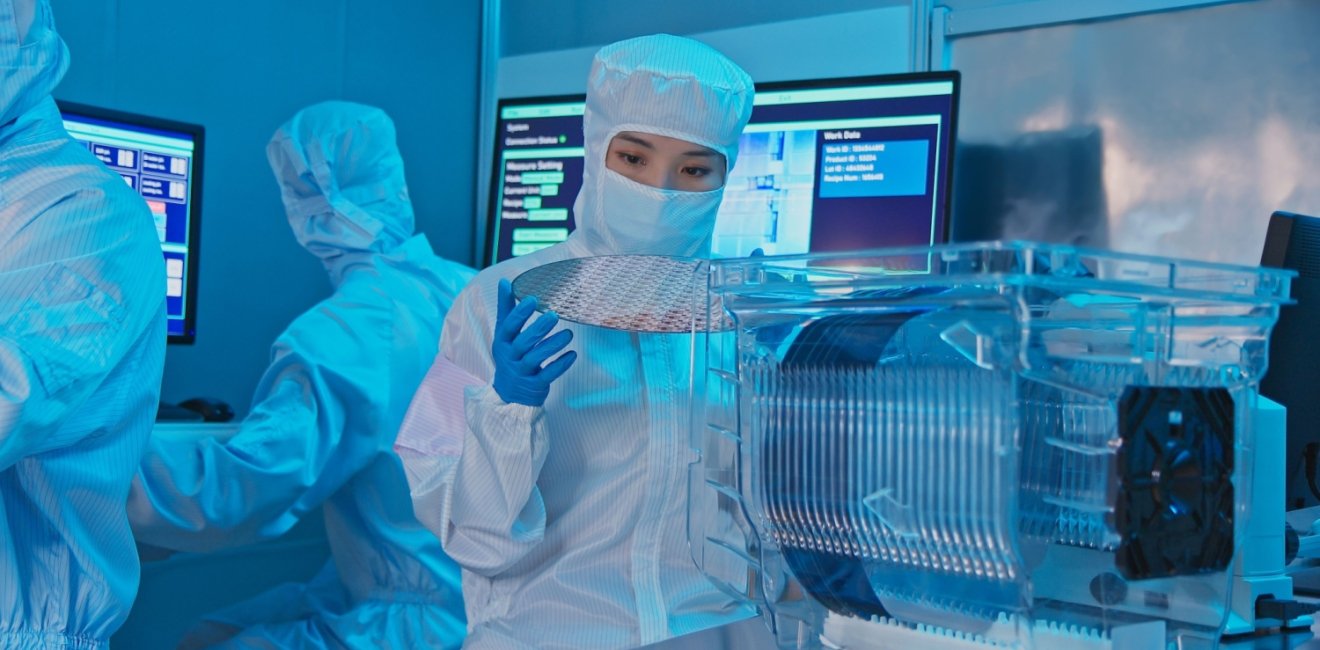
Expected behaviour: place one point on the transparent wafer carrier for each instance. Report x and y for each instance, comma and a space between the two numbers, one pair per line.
1001, 445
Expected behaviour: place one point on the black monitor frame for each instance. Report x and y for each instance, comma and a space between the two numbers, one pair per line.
497, 169
1292, 241
492, 208
198, 134
952, 76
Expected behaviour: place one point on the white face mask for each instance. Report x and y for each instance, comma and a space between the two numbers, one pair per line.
632, 218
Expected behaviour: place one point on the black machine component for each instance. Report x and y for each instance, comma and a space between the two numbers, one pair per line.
1174, 511
1109, 589
1283, 609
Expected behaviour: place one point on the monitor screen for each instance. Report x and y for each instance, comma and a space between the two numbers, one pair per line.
162, 161
823, 166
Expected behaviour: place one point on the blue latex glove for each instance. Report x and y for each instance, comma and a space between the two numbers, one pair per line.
519, 353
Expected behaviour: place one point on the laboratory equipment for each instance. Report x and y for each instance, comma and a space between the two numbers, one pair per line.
818, 162
991, 445
161, 160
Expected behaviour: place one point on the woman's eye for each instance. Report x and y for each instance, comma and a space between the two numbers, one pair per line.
630, 159
696, 171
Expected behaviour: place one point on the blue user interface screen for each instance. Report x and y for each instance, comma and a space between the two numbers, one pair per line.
158, 164
822, 167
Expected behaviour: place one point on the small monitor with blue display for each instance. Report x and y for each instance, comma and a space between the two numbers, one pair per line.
162, 161
824, 165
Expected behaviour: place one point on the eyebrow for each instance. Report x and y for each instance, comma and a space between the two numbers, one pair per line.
704, 153
635, 140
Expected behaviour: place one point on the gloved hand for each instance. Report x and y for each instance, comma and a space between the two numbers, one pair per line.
519, 353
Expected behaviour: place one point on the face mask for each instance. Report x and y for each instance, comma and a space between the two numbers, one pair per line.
340, 242
639, 219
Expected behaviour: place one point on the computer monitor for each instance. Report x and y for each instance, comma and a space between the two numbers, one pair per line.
162, 161
1292, 241
824, 165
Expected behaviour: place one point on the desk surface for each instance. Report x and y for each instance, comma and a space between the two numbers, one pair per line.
221, 430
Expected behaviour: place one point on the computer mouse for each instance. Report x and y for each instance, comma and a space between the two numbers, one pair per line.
212, 410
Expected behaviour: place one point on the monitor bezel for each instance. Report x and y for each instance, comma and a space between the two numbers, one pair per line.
497, 169
953, 76
1281, 234
198, 134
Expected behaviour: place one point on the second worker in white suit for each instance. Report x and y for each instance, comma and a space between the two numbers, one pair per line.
325, 414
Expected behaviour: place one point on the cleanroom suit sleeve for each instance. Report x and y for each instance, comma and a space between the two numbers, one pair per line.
67, 316
472, 459
294, 450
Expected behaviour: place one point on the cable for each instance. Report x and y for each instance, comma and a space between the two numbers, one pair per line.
1312, 454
